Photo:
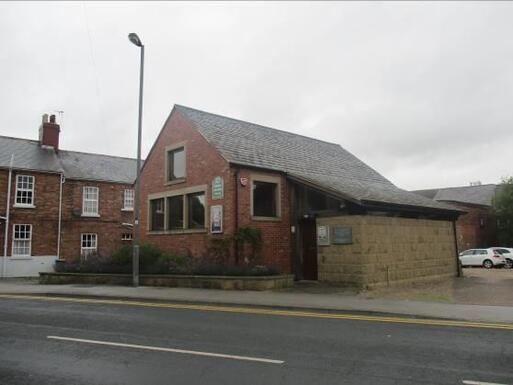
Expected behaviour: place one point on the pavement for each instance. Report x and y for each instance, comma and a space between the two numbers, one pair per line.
45, 341
336, 301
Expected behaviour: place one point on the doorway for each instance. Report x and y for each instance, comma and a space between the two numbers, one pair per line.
309, 248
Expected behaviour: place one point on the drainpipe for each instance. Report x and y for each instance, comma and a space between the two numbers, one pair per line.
7, 209
236, 214
62, 180
458, 266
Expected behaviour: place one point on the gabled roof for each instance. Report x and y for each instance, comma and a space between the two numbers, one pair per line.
29, 155
322, 164
476, 195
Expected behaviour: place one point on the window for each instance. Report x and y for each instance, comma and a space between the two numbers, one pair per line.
89, 245
126, 236
22, 240
24, 190
157, 214
196, 208
175, 212
128, 199
90, 201
468, 252
265, 199
176, 164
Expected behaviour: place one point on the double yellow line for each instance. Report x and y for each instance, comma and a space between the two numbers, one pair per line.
266, 311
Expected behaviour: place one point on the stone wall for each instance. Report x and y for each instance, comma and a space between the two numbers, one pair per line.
388, 250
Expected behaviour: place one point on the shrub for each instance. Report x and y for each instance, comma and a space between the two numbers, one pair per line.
248, 236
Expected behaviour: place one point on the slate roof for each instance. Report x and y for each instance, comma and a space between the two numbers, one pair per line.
323, 164
29, 155
476, 195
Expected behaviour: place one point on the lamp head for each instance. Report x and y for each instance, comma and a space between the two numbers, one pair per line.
135, 39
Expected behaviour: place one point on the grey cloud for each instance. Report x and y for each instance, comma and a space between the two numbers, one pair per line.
423, 92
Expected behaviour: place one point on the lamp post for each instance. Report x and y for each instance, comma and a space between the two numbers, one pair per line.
137, 198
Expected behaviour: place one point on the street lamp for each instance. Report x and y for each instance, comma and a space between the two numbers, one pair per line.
137, 199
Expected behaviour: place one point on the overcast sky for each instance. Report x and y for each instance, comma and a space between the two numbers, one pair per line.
422, 92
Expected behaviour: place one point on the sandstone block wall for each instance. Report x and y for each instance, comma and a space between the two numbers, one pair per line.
388, 250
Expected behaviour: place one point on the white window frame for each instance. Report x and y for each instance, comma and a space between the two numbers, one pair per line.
85, 198
86, 251
14, 240
128, 199
127, 236
22, 189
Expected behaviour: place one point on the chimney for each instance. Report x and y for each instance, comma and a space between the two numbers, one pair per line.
49, 133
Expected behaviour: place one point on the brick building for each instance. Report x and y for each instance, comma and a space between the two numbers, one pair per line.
478, 226
208, 175
88, 197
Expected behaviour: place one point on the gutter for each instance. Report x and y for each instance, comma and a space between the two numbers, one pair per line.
7, 209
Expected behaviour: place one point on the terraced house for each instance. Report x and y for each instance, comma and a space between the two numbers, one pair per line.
60, 204
323, 213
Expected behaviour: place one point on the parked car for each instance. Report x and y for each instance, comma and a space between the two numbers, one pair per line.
508, 254
487, 258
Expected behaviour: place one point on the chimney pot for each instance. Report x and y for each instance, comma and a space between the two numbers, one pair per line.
52, 118
45, 118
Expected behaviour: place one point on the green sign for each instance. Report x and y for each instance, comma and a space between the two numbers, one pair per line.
217, 188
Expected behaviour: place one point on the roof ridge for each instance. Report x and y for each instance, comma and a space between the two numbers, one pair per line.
68, 151
455, 187
98, 154
16, 138
259, 125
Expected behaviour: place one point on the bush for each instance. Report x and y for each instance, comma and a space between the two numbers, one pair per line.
153, 261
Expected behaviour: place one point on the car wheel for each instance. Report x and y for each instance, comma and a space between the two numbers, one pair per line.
509, 263
487, 264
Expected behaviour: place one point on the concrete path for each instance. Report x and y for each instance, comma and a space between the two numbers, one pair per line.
335, 301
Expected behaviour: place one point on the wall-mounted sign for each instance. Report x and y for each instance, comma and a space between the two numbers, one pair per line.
323, 235
243, 181
216, 219
342, 235
218, 188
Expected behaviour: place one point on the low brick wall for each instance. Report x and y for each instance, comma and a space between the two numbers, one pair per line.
387, 251
193, 281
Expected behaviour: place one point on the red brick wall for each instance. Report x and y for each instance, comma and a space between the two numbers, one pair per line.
476, 228
203, 163
108, 225
44, 217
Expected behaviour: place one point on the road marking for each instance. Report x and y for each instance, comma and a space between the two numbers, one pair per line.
266, 311
467, 382
169, 350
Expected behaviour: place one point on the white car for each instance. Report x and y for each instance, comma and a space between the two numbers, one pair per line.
487, 258
508, 254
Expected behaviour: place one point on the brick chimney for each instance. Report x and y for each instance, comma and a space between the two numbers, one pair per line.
49, 133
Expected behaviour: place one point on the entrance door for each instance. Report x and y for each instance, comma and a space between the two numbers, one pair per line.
309, 238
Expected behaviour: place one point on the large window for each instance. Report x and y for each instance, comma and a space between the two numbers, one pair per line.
128, 199
176, 164
196, 208
183, 212
157, 214
24, 190
89, 245
22, 240
265, 199
90, 197
175, 212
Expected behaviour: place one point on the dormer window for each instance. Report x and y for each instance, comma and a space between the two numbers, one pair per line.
175, 166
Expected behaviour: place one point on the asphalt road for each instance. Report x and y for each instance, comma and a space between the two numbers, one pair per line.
313, 350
